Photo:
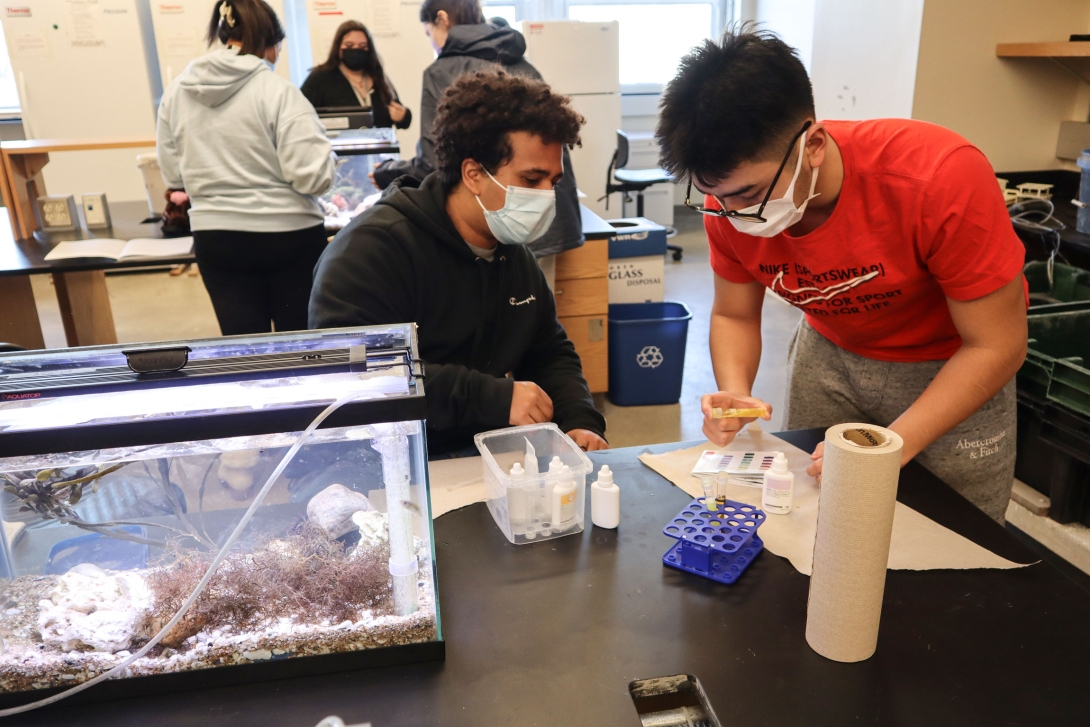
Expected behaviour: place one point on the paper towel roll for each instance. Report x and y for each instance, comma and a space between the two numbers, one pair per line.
855, 522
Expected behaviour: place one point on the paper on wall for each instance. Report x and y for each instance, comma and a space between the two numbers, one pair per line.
385, 18
29, 45
918, 542
84, 23
181, 43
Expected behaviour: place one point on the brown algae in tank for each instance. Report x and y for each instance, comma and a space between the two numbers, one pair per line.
305, 593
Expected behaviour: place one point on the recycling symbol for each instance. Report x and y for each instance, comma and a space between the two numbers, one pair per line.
649, 358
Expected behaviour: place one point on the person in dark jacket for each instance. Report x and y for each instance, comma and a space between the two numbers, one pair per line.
352, 75
465, 42
450, 254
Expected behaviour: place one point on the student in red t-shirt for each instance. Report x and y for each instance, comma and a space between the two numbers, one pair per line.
890, 235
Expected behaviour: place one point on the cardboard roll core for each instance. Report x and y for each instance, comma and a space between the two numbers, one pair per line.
866, 438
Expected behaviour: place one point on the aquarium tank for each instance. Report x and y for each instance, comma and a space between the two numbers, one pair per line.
357, 151
126, 474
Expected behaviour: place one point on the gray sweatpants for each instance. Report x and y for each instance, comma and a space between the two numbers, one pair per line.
828, 385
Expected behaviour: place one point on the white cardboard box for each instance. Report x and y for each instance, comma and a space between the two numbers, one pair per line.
637, 279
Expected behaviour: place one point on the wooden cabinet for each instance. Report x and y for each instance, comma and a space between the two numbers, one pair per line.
582, 305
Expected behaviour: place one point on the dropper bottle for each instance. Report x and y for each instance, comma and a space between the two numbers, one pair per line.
563, 500
779, 487
605, 500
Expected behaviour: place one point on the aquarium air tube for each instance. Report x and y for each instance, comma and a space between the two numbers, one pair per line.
390, 441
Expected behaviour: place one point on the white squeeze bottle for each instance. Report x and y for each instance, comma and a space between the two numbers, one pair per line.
563, 500
517, 500
779, 488
605, 500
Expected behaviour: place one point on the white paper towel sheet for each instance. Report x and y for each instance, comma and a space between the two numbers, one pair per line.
918, 543
455, 483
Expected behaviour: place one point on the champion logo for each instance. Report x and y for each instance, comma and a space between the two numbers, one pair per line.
521, 302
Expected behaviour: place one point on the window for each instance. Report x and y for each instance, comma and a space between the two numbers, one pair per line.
654, 36
9, 93
507, 12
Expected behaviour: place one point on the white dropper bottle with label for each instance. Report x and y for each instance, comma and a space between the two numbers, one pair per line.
779, 487
605, 500
563, 500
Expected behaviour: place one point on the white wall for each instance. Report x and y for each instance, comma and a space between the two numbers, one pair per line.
864, 56
792, 20
1011, 108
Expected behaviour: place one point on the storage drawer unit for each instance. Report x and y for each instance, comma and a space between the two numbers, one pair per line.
582, 305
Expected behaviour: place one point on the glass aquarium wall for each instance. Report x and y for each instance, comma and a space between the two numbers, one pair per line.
100, 549
352, 191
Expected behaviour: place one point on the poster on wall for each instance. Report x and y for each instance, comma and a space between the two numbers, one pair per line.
181, 43
385, 18
84, 23
29, 45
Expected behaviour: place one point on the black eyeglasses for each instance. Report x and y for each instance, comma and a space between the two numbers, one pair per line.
748, 217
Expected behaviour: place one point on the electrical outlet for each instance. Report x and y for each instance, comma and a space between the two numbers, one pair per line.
96, 211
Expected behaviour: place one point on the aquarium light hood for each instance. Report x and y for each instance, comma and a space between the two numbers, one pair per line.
101, 397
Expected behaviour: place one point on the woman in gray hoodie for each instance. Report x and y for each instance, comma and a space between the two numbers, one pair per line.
249, 150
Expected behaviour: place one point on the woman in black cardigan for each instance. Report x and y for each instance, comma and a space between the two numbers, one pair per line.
353, 76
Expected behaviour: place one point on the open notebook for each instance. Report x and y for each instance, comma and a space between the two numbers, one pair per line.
140, 248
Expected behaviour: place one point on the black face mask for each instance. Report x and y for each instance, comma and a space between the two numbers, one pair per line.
356, 59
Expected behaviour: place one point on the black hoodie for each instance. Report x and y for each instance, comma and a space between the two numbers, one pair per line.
475, 48
404, 261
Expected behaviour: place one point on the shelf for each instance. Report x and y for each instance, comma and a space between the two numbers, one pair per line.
1057, 49
44, 146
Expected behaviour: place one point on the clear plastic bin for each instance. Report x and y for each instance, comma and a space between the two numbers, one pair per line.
523, 506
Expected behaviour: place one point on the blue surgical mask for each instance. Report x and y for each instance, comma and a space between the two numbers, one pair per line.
525, 216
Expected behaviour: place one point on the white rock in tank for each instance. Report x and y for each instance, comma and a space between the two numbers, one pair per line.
91, 608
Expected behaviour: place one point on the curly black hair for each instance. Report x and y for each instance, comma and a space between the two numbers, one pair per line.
479, 110
737, 100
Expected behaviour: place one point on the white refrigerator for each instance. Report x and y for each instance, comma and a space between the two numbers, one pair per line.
399, 39
83, 69
181, 27
582, 60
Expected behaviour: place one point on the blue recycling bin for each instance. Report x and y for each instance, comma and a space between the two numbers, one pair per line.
647, 352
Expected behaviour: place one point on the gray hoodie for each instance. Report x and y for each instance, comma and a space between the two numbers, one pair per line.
245, 144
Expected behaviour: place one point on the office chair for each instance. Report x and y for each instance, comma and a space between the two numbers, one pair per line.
633, 180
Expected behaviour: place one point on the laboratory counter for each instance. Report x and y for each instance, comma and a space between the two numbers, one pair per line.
552, 634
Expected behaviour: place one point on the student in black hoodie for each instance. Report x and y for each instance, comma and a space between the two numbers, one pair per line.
450, 254
465, 42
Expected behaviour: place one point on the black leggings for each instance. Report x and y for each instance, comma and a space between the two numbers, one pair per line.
258, 279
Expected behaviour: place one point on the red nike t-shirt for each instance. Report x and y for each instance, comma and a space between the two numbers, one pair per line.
920, 218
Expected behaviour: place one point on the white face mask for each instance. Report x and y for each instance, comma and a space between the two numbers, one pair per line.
524, 217
780, 213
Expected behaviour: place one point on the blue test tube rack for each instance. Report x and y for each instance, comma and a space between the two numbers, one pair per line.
716, 542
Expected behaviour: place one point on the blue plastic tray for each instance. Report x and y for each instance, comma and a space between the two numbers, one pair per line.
717, 544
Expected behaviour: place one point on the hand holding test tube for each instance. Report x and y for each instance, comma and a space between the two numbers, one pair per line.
725, 414
720, 413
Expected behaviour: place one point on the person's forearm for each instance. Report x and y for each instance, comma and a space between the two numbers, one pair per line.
736, 353
965, 383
